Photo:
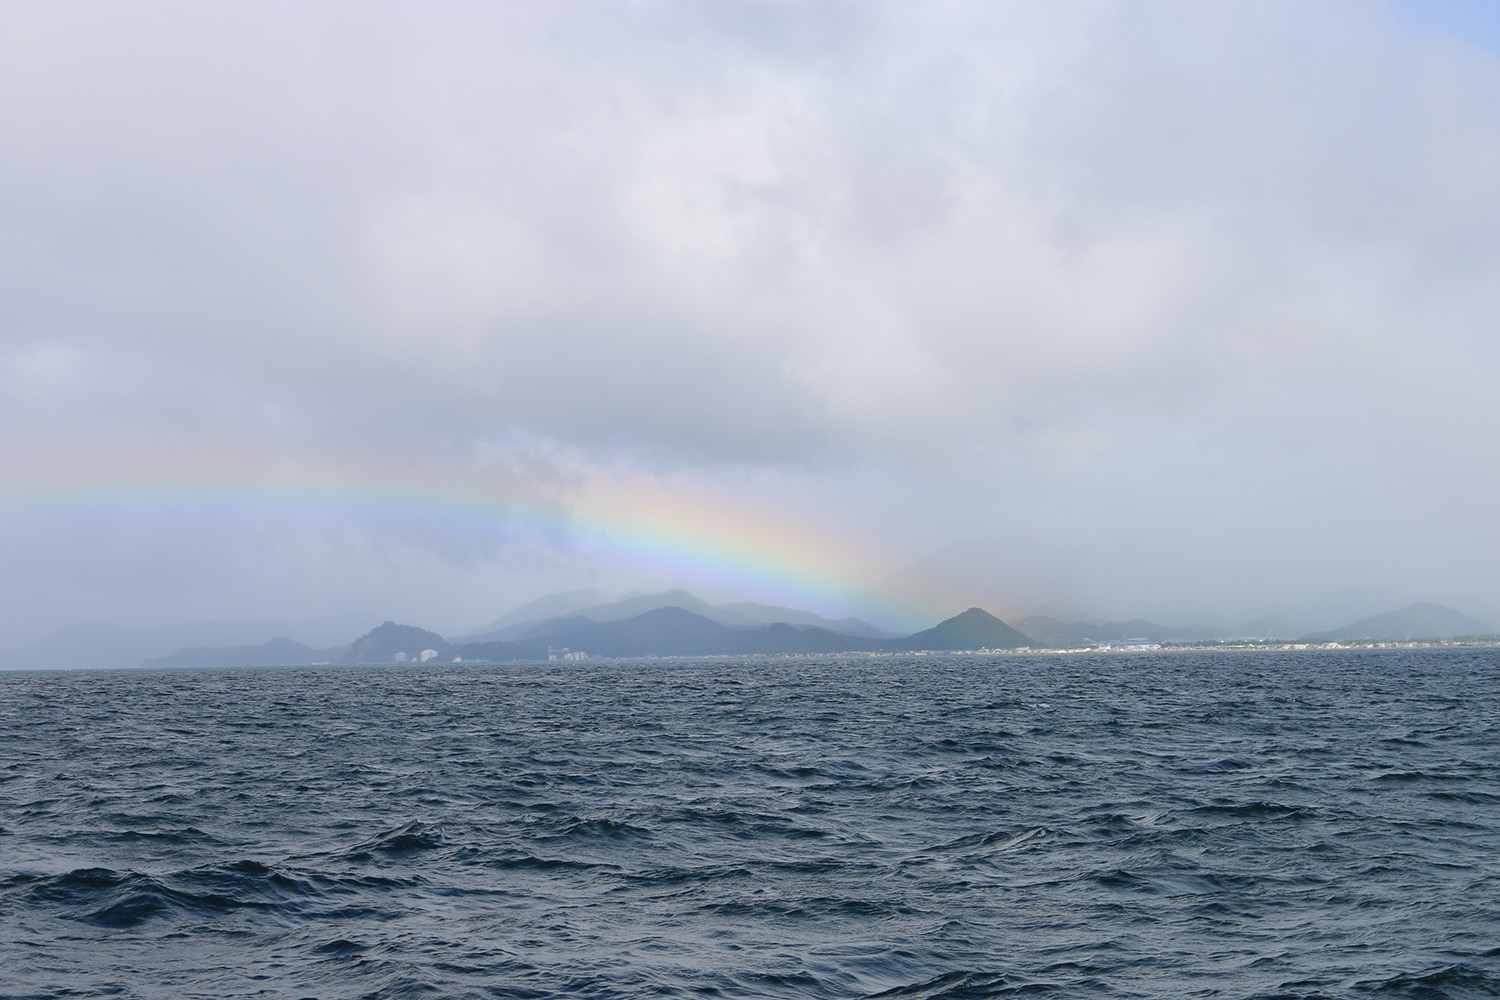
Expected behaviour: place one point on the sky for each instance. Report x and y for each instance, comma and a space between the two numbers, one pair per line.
1131, 309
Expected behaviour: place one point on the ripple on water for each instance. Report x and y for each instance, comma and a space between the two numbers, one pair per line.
1176, 825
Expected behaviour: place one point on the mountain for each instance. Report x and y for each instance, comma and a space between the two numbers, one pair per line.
665, 631
552, 627
745, 614
767, 614
626, 607
279, 652
618, 629
551, 606
637, 604
618, 610
674, 631
668, 631
382, 643
1418, 621
974, 629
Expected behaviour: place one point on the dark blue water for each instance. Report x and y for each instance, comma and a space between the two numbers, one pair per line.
1162, 825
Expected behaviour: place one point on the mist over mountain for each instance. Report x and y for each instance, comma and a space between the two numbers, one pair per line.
657, 632
110, 646
664, 628
767, 614
549, 606
676, 631
1272, 627
96, 645
278, 652
527, 624
637, 604
1053, 632
1418, 621
542, 631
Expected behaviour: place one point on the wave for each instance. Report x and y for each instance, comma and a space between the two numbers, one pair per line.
123, 899
629, 832
959, 986
113, 899
402, 841
1449, 982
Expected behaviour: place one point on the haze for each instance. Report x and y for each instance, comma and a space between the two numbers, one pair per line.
1174, 310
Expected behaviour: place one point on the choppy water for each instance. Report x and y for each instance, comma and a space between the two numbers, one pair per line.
1174, 825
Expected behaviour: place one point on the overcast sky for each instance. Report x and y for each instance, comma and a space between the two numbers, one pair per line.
418, 311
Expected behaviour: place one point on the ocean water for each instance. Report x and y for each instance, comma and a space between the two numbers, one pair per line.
1151, 825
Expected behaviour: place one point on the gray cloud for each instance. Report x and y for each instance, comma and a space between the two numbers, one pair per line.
1168, 309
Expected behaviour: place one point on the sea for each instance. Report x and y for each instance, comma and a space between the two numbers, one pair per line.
1301, 824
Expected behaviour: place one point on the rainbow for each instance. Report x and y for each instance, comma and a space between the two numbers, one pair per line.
689, 534
701, 535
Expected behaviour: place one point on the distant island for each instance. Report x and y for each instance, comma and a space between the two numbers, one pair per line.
677, 624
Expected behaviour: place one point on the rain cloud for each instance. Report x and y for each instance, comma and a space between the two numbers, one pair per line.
1173, 310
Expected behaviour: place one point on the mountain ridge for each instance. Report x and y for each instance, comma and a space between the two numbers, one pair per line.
670, 630
676, 631
1415, 621
280, 651
743, 614
549, 606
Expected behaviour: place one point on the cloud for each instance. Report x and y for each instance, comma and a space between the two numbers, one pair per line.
1036, 276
